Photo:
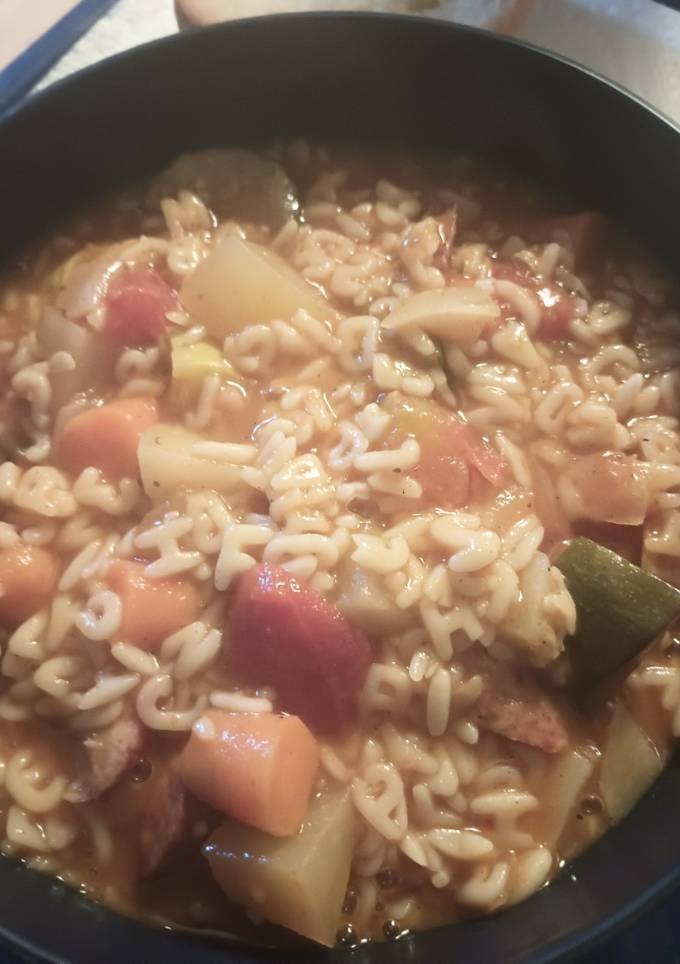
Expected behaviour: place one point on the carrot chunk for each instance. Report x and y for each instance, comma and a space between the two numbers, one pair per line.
107, 437
152, 608
257, 768
28, 577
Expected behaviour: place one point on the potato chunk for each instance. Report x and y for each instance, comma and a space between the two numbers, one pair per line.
630, 763
167, 463
241, 283
298, 882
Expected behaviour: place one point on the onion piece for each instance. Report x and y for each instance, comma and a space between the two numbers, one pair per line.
452, 314
94, 361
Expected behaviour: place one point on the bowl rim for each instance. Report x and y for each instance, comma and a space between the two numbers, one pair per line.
565, 947
36, 96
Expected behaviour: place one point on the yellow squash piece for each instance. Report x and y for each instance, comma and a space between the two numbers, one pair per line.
298, 882
241, 283
191, 364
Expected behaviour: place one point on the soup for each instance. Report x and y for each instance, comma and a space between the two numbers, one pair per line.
339, 542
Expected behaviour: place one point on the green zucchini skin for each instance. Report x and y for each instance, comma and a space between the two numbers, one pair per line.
620, 609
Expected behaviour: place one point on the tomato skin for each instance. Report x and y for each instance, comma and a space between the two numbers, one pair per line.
558, 310
137, 301
454, 456
557, 306
444, 478
479, 454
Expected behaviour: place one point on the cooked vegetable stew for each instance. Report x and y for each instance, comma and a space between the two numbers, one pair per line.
340, 542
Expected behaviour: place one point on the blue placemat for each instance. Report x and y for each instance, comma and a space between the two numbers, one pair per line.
22, 73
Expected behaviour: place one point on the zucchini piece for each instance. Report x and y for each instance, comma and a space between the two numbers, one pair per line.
298, 882
620, 608
234, 183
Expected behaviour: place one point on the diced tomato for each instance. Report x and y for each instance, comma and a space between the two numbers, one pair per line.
449, 450
444, 478
558, 311
515, 271
557, 306
475, 448
284, 634
137, 301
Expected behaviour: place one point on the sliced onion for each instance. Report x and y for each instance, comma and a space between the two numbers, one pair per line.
94, 360
452, 314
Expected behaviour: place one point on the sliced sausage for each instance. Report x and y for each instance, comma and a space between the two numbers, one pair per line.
161, 819
110, 752
513, 706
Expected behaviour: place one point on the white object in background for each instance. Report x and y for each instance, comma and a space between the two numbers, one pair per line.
128, 23
634, 42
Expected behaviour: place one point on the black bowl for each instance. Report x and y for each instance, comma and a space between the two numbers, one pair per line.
409, 81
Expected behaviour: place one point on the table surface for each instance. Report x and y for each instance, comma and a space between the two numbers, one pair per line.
637, 43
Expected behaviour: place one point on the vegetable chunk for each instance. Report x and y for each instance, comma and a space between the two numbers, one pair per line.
234, 184
167, 463
152, 608
612, 488
449, 450
241, 283
281, 632
107, 437
630, 762
452, 314
93, 362
621, 609
28, 577
137, 302
256, 767
298, 882
191, 364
